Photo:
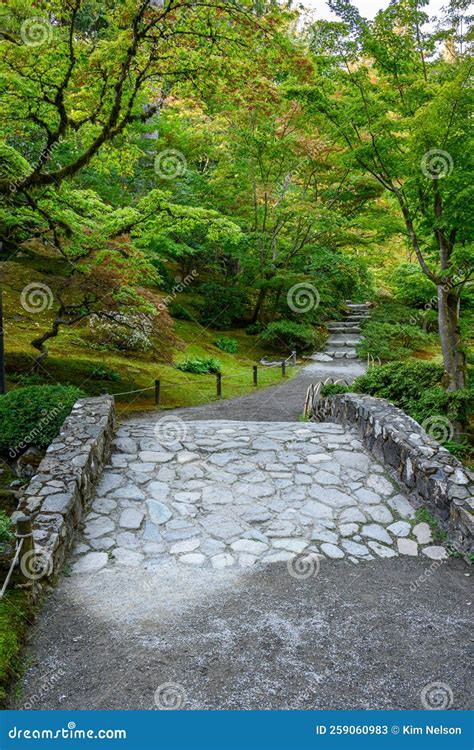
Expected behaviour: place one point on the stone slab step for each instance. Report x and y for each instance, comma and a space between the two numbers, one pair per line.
343, 340
341, 353
349, 330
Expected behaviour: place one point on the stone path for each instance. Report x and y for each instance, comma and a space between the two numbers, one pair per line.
262, 563
224, 493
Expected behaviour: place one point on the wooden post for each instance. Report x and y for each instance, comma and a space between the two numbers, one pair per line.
283, 368
293, 355
24, 530
219, 384
255, 375
157, 392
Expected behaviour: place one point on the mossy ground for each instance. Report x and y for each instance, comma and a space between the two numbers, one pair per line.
72, 360
16, 615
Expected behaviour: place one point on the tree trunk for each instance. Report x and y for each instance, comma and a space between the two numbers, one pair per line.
258, 306
449, 333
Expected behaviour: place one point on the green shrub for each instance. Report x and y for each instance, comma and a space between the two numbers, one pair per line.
294, 336
392, 341
416, 387
222, 305
332, 389
254, 329
105, 373
6, 528
178, 311
34, 415
200, 365
399, 381
226, 344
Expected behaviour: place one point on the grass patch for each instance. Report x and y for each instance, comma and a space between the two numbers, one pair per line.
72, 361
16, 613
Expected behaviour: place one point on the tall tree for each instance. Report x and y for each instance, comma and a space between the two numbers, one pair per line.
397, 97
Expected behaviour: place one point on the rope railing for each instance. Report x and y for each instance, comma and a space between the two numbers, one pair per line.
24, 556
219, 378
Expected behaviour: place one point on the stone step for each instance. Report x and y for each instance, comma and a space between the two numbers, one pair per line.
349, 330
340, 324
341, 353
357, 318
357, 307
341, 340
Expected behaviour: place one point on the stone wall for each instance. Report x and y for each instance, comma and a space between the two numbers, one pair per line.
58, 493
431, 475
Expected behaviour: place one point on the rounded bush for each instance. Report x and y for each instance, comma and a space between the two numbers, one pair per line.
200, 365
33, 416
226, 344
295, 336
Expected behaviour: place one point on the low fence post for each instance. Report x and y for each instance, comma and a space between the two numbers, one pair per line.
293, 358
283, 368
219, 384
255, 375
157, 392
24, 531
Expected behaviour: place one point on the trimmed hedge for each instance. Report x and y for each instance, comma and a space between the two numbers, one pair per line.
33, 416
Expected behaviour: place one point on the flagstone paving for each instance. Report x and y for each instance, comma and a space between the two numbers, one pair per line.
221, 493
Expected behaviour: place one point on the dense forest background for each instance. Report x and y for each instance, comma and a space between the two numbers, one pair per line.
190, 186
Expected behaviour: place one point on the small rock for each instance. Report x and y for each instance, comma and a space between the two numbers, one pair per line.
401, 506
332, 551
195, 558
91, 563
249, 546
348, 529
374, 531
99, 527
407, 547
187, 545
127, 557
223, 560
423, 533
293, 545
358, 550
381, 550
399, 528
435, 552
131, 518
159, 513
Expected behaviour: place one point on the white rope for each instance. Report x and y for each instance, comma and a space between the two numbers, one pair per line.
14, 562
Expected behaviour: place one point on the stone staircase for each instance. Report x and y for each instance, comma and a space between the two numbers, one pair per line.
346, 334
